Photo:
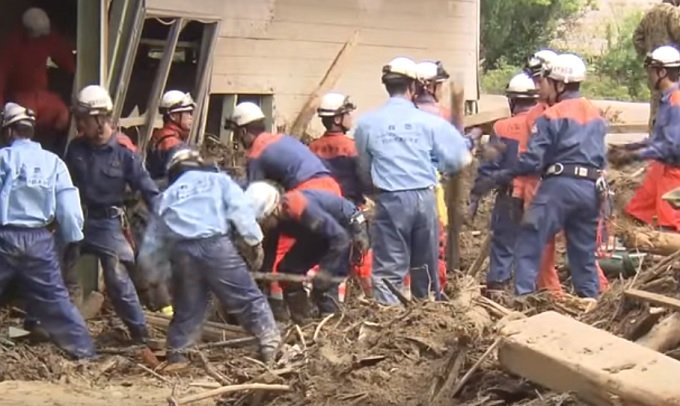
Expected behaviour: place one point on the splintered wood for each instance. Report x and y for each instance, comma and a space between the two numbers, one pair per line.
565, 355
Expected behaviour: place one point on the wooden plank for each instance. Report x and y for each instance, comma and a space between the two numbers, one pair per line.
654, 298
421, 8
565, 355
627, 128
335, 70
486, 117
389, 20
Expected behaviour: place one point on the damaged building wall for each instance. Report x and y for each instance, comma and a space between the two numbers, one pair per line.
284, 47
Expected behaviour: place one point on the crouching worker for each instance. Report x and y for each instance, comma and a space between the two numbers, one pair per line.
37, 190
191, 227
326, 227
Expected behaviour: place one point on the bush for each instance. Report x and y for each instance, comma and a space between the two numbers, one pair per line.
616, 74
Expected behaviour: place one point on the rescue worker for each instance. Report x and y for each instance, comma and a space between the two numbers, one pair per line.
324, 226
338, 152
177, 109
191, 227
659, 26
37, 190
284, 160
661, 148
431, 76
102, 168
568, 146
396, 144
23, 75
511, 134
335, 149
526, 186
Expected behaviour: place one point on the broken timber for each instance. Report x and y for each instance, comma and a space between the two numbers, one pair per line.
565, 355
654, 298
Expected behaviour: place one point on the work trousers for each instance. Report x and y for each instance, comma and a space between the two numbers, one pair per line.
647, 204
405, 239
505, 220
30, 256
214, 265
561, 203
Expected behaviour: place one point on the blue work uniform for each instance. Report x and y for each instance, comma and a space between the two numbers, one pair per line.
37, 190
191, 227
283, 159
339, 153
396, 146
102, 173
163, 144
510, 133
568, 148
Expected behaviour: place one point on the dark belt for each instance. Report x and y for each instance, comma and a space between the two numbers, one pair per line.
573, 171
104, 212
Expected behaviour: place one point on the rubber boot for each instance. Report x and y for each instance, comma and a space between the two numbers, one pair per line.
279, 310
298, 303
326, 301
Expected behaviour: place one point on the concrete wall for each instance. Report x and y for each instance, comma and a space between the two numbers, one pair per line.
284, 47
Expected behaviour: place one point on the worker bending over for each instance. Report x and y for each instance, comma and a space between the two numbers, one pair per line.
23, 74
510, 136
177, 109
324, 226
284, 160
396, 144
102, 168
37, 190
568, 146
191, 227
662, 148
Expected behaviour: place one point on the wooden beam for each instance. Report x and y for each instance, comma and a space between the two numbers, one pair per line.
159, 82
565, 355
486, 117
203, 79
626, 128
454, 186
654, 298
329, 80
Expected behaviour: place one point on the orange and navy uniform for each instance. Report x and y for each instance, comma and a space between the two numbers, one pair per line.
163, 144
663, 173
339, 153
285, 160
23, 75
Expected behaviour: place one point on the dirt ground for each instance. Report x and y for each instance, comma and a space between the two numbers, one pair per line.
368, 355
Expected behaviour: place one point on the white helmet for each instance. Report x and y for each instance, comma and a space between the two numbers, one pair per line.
245, 113
14, 113
333, 104
175, 101
663, 57
521, 86
431, 71
264, 197
536, 61
399, 68
93, 100
184, 156
566, 68
36, 21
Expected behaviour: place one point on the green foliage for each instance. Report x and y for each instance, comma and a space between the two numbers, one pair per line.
512, 29
616, 74
494, 81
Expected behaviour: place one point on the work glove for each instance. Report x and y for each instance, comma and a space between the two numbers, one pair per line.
254, 257
361, 240
491, 151
71, 255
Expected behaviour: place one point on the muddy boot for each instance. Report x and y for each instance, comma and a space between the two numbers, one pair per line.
279, 309
326, 301
91, 306
496, 291
269, 346
298, 303
38, 334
